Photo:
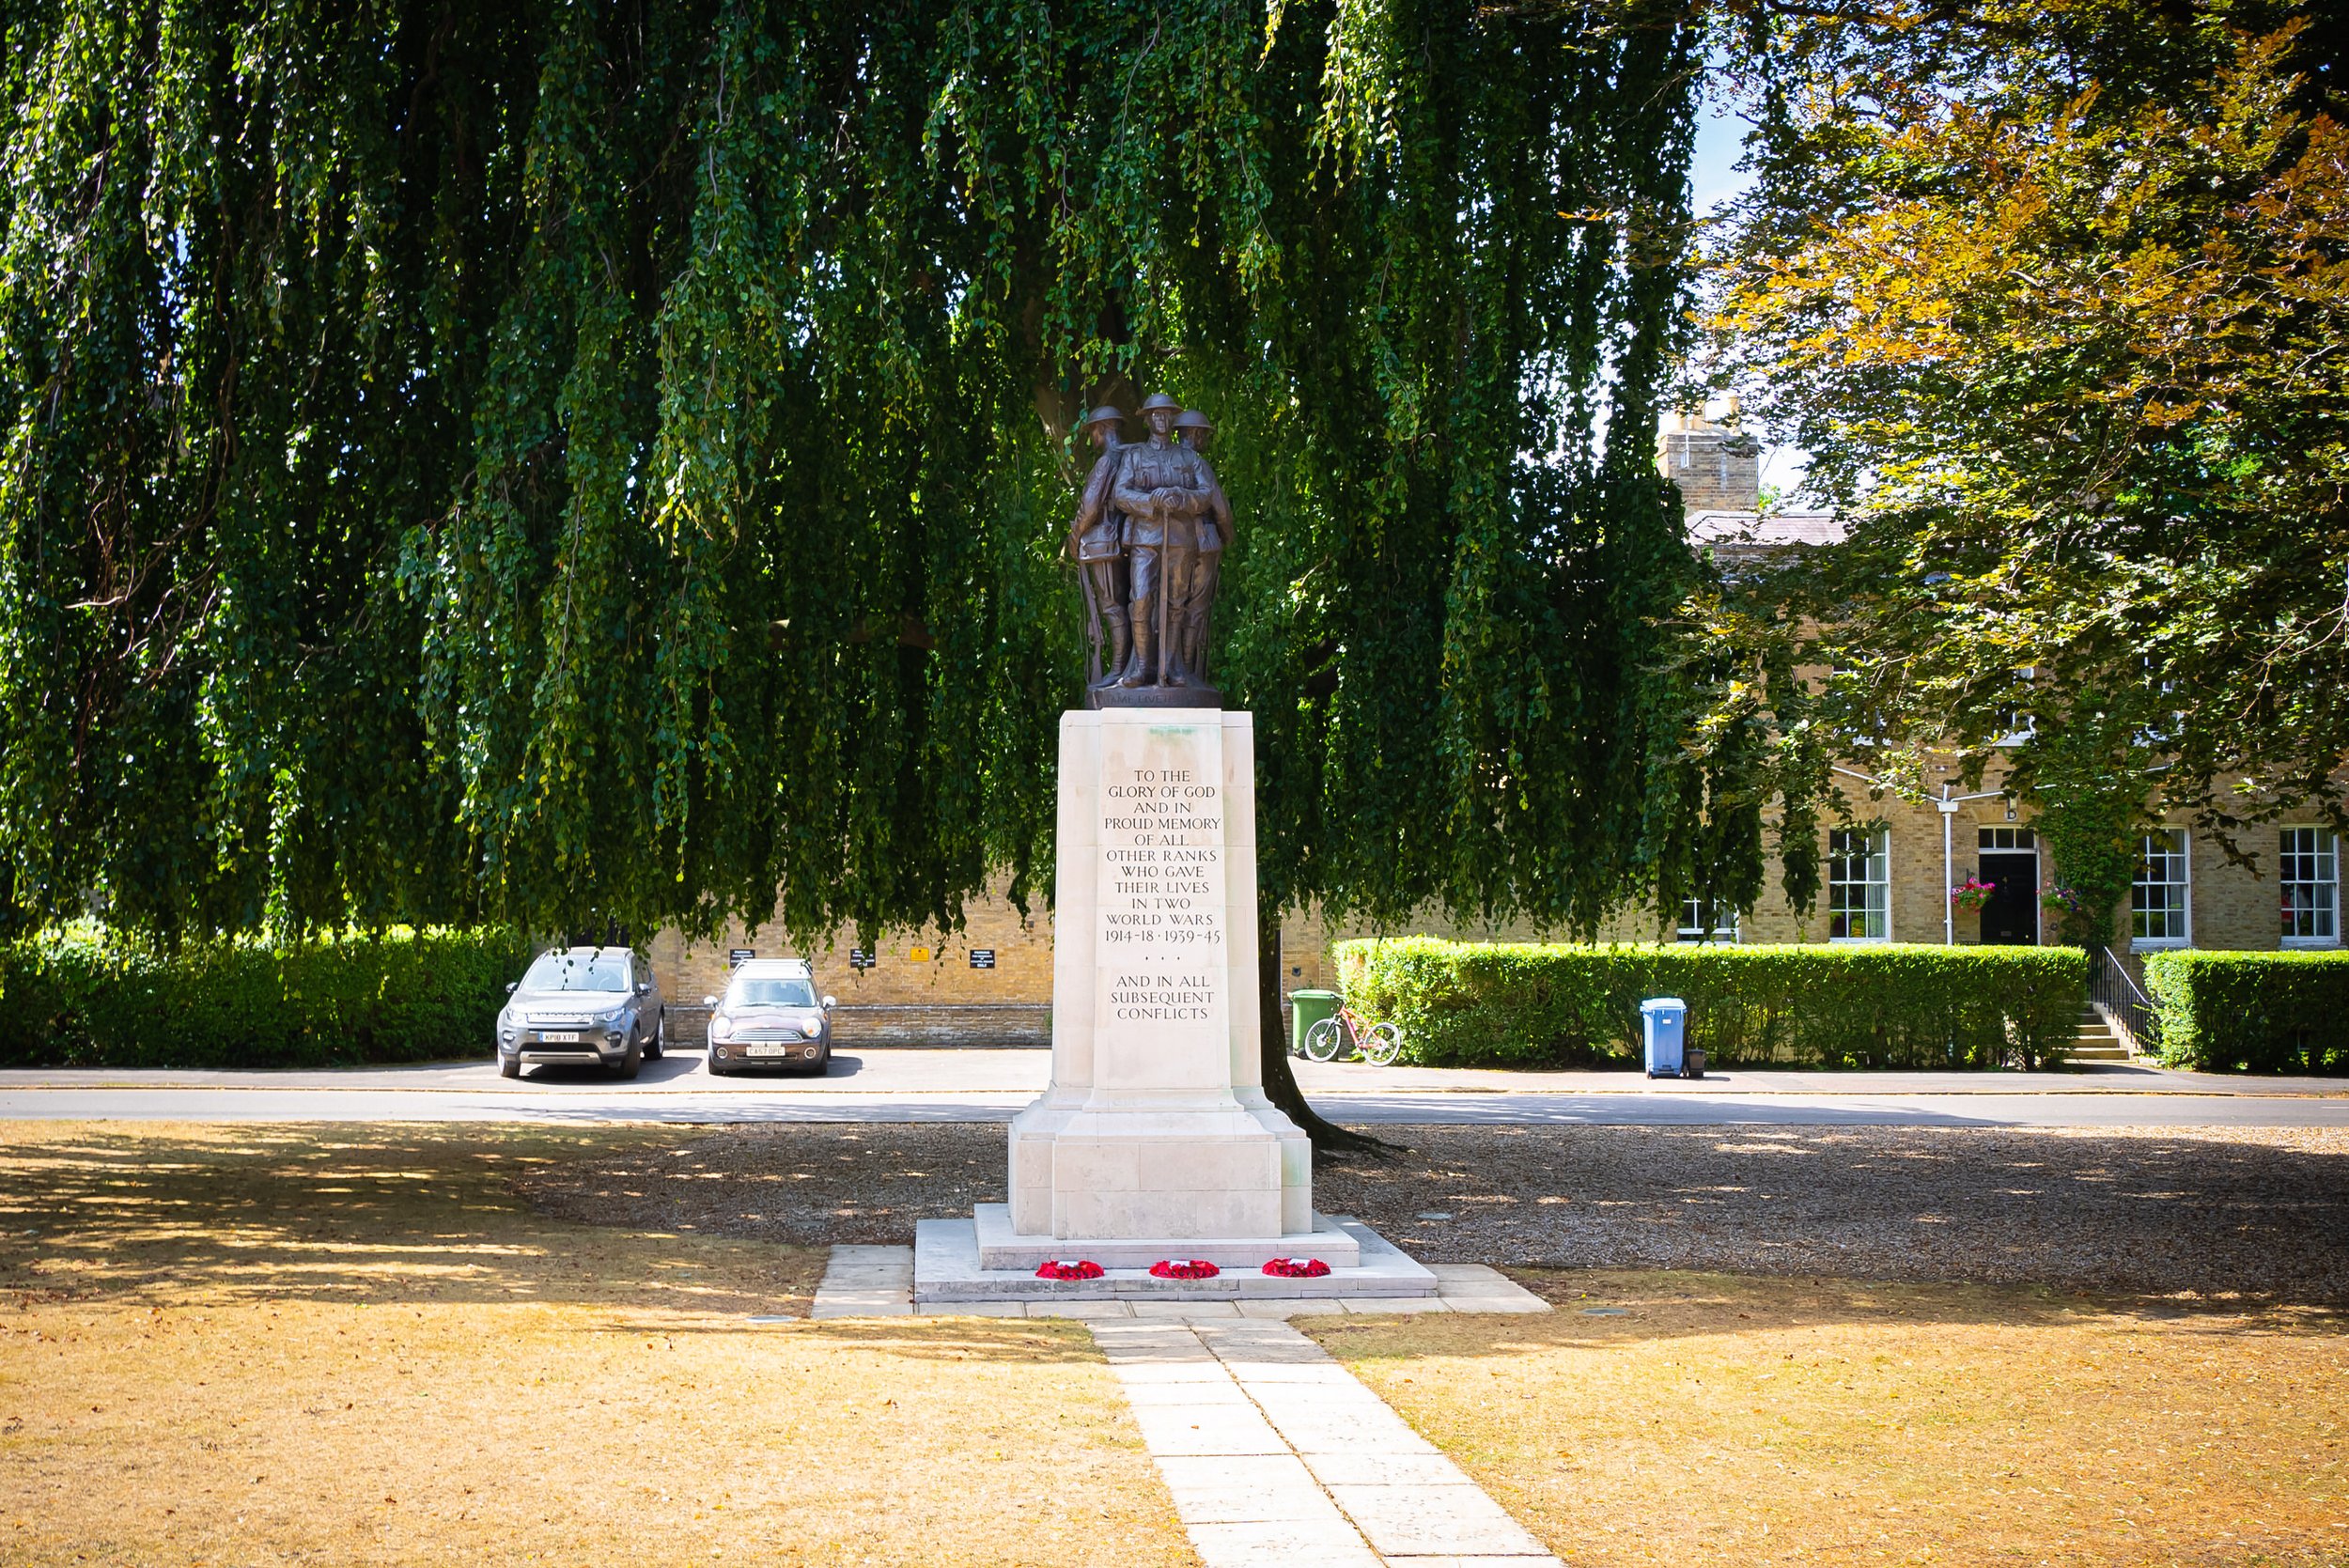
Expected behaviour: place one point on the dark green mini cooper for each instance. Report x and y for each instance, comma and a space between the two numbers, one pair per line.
770, 1017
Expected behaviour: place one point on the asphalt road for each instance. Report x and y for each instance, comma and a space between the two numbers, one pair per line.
989, 1085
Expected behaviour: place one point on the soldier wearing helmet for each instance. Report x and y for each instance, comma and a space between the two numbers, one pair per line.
1162, 489
1097, 537
1194, 429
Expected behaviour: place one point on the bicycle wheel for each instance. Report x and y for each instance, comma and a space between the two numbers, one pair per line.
1322, 1039
1382, 1045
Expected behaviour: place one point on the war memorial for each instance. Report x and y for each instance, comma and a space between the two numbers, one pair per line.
1155, 1144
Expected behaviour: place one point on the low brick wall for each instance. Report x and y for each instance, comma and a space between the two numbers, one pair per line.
946, 1024
953, 1026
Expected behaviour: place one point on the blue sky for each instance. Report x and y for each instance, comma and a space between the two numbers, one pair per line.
1714, 178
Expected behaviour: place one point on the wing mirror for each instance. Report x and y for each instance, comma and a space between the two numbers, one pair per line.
509, 987
709, 1002
831, 1002
644, 988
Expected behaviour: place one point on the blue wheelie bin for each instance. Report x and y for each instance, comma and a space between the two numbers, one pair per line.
1664, 1023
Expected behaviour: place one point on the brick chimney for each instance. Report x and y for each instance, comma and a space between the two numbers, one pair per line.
1716, 465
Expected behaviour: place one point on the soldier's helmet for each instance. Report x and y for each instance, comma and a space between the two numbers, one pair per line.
1192, 419
1158, 400
1105, 416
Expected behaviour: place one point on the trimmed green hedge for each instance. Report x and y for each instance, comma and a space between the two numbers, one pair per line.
2251, 1012
1491, 1003
77, 998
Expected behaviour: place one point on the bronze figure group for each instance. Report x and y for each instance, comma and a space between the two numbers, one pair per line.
1149, 536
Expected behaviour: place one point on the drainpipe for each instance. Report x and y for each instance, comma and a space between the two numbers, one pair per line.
1949, 805
1949, 911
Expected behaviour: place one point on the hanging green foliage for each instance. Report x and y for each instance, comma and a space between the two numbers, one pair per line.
551, 461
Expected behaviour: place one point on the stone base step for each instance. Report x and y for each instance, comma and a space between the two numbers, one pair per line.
1002, 1247
946, 1268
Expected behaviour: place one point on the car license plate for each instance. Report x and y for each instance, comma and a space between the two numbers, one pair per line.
771, 1050
554, 1038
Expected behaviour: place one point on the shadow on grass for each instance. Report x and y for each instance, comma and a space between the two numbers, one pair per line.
2145, 1212
376, 1217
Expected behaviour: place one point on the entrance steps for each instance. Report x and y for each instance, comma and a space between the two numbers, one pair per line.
2095, 1042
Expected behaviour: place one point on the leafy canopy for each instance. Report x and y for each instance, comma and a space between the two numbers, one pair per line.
553, 459
2058, 297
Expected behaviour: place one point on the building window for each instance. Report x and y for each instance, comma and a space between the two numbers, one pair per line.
2308, 862
2008, 838
2157, 902
1694, 927
1859, 885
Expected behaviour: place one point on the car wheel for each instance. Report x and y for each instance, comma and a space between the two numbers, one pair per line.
511, 1067
660, 1046
717, 1068
632, 1061
823, 1064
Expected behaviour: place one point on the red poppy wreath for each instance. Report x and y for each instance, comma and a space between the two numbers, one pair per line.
1068, 1268
1297, 1269
1184, 1268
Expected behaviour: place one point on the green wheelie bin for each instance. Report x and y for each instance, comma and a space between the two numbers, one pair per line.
1306, 1009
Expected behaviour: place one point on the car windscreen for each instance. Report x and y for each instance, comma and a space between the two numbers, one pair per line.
770, 990
576, 972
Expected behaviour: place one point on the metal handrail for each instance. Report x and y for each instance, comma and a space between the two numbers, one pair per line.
2122, 1003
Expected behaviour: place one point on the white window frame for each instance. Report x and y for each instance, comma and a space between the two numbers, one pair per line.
1691, 931
2185, 896
1879, 852
2329, 842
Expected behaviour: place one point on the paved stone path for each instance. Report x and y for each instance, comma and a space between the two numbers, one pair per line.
1271, 1450
1275, 1454
866, 1281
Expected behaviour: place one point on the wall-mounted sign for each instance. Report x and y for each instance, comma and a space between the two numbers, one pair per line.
919, 955
738, 957
859, 959
982, 957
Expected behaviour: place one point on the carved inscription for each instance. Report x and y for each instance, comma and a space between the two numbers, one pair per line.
1161, 937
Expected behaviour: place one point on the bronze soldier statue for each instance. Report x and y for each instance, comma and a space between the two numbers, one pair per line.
1214, 533
1097, 537
1162, 489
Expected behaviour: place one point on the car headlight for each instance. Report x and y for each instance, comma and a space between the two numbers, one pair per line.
812, 1027
720, 1027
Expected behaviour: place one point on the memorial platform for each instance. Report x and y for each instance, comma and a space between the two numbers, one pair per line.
952, 1262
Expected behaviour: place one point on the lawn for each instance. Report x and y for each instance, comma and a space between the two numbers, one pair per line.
1720, 1420
246, 1345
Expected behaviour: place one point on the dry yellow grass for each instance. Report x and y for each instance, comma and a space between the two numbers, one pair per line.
1736, 1420
276, 1346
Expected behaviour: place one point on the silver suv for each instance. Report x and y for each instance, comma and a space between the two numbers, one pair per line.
583, 1007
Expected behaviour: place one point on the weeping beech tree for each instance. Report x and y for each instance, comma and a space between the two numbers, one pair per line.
478, 460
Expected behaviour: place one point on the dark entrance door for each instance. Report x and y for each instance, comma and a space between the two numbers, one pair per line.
2011, 918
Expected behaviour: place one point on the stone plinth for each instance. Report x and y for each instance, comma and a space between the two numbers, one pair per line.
950, 1264
1155, 1128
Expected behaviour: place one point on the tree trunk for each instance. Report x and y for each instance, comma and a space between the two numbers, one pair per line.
1280, 1080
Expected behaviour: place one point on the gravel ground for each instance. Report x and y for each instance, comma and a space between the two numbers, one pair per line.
2223, 1212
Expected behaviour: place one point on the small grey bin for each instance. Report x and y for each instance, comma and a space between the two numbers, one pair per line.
1664, 1023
